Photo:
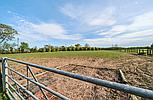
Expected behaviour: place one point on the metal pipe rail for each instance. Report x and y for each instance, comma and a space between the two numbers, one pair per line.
40, 85
24, 89
113, 85
15, 91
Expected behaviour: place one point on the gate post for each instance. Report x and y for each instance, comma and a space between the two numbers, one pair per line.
4, 73
1, 73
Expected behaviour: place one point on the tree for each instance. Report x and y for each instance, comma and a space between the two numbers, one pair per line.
34, 49
41, 50
86, 45
6, 47
63, 48
92, 48
77, 45
24, 47
115, 45
6, 33
48, 48
55, 49
151, 45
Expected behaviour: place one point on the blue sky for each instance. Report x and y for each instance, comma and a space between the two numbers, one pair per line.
67, 22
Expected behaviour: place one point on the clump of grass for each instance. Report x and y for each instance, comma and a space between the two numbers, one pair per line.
2, 94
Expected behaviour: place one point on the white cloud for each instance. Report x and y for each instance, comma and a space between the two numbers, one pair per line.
28, 37
44, 31
89, 15
142, 21
138, 30
141, 37
123, 34
138, 34
104, 17
117, 29
101, 22
50, 30
30, 31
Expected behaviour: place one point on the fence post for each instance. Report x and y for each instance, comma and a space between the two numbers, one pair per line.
4, 73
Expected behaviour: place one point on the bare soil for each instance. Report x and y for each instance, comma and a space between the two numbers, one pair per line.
138, 71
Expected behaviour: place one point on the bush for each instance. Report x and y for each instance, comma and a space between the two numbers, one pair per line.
77, 49
73, 49
80, 49
53, 50
92, 48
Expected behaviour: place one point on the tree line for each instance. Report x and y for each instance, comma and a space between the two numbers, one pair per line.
8, 48
24, 48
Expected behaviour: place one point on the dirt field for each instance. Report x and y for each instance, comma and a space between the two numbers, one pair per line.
138, 71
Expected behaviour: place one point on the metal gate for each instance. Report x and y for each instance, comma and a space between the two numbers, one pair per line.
22, 92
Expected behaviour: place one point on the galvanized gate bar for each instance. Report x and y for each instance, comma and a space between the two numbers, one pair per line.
12, 95
15, 91
24, 89
121, 87
37, 81
41, 85
15, 83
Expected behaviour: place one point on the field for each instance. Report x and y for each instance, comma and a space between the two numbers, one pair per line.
100, 64
101, 54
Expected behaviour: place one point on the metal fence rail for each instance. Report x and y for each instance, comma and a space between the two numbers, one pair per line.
113, 85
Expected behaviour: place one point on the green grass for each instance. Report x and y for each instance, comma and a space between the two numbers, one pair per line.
2, 95
101, 54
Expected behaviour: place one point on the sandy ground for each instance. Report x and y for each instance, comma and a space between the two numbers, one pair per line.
138, 71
